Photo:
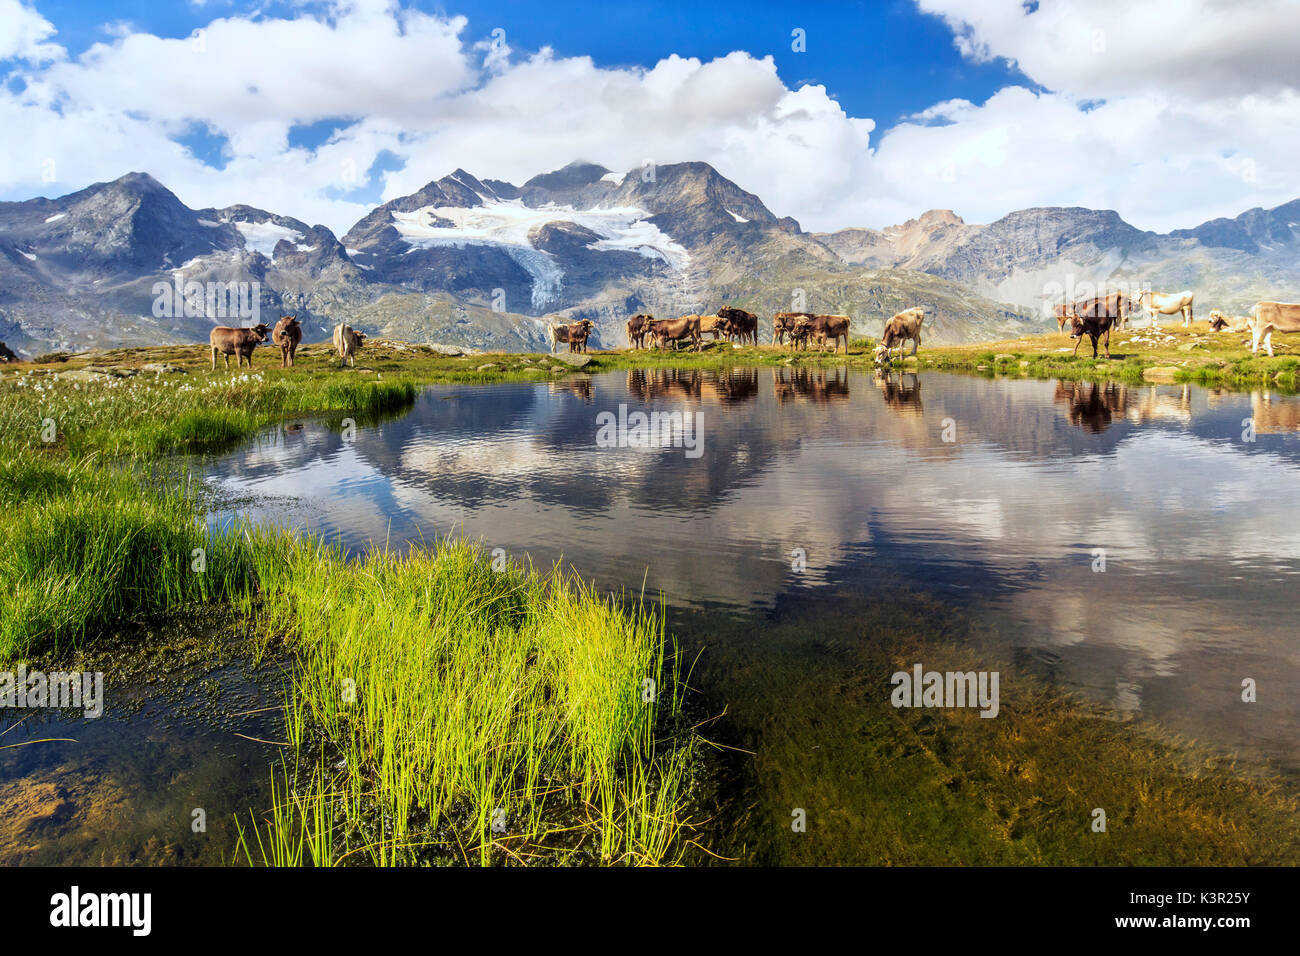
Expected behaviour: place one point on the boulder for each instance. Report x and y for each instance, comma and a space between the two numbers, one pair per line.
162, 368
573, 359
1160, 374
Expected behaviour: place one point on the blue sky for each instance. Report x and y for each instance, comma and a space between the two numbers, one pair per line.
883, 59
321, 109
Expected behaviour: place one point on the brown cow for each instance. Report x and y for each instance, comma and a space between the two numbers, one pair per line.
823, 327
636, 330
1096, 318
237, 342
287, 335
717, 324
347, 343
579, 332
675, 330
1093, 327
801, 332
7, 354
1269, 317
901, 327
744, 325
575, 335
783, 324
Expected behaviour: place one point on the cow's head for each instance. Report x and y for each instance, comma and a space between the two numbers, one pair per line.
262, 331
1076, 326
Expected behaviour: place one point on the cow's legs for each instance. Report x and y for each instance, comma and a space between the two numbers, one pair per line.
214, 360
1268, 343
1254, 345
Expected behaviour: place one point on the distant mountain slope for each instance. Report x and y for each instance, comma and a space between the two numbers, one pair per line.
1030, 257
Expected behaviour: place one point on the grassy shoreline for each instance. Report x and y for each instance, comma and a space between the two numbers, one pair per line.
484, 695
394, 370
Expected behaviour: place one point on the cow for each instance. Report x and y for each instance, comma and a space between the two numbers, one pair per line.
1096, 318
347, 342
903, 326
287, 335
7, 354
744, 325
716, 324
1222, 323
783, 324
1269, 317
1164, 303
237, 342
833, 327
1063, 315
575, 335
1094, 327
636, 330
675, 330
801, 332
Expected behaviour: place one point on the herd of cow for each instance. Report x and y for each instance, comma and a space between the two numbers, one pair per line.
287, 334
736, 325
1097, 317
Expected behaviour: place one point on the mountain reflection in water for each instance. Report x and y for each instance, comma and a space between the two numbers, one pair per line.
1198, 521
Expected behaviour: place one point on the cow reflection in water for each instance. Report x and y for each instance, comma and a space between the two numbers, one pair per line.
1095, 406
901, 390
810, 384
724, 388
1091, 405
577, 387
1273, 414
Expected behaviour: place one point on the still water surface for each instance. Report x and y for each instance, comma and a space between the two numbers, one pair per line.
1199, 524
817, 497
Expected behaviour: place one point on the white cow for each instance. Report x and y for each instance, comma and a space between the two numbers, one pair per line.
347, 342
1269, 317
1166, 303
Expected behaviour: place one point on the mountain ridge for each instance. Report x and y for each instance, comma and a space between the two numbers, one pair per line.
488, 262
